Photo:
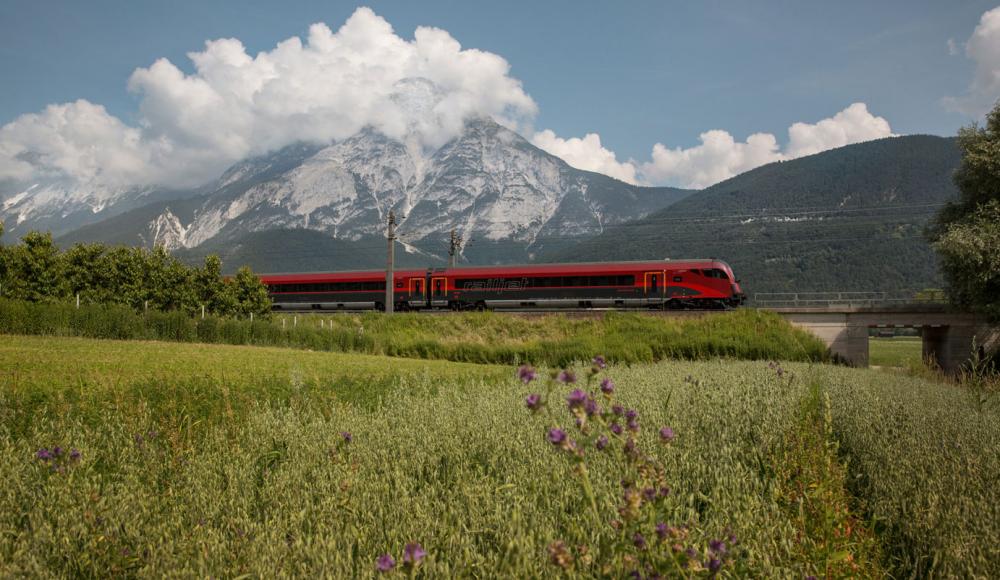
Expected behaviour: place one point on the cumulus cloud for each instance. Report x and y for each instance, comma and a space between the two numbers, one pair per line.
190, 127
983, 47
852, 125
586, 153
719, 156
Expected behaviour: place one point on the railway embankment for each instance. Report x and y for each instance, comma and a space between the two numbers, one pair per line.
481, 337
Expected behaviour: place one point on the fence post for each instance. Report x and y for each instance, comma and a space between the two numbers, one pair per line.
295, 320
251, 318
145, 306
282, 324
203, 312
77, 300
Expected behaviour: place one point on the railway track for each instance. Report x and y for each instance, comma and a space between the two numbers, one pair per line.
527, 313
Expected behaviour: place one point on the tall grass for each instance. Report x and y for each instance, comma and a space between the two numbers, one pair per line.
470, 337
202, 472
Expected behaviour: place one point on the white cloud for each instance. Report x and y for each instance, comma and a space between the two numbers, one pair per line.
586, 153
852, 125
983, 47
190, 127
719, 156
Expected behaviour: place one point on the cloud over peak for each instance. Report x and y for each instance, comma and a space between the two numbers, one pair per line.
190, 127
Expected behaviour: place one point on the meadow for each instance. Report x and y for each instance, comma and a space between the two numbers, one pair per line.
465, 337
899, 351
189, 460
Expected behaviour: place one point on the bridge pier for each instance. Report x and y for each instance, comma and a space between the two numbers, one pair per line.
948, 337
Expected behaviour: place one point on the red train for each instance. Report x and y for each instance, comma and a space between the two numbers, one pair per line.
701, 284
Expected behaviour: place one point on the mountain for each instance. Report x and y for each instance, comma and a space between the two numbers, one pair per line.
507, 198
60, 206
848, 219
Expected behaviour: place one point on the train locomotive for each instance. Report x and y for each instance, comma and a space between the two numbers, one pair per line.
667, 284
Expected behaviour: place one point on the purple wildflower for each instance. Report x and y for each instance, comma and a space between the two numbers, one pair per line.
631, 414
666, 434
348, 438
661, 530
576, 399
600, 363
413, 554
566, 376
590, 406
384, 563
630, 446
649, 493
74, 455
664, 491
556, 436
639, 541
713, 565
607, 386
617, 409
616, 428
717, 546
691, 553
633, 425
526, 374
57, 451
43, 454
602, 442
533, 401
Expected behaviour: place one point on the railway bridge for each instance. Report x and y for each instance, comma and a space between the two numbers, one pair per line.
948, 336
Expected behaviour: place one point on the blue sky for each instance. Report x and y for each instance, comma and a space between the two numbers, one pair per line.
636, 73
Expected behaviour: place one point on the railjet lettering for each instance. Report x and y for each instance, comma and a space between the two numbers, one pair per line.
497, 284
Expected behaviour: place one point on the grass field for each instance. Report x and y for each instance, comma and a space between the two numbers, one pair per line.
464, 337
200, 460
899, 351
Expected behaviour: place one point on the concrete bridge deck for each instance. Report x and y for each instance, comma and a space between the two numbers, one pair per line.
948, 336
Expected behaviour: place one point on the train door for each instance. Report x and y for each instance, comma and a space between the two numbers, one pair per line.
439, 291
654, 284
416, 292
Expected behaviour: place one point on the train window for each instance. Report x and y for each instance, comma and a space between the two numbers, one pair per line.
696, 271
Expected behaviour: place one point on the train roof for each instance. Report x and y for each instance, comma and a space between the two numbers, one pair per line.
574, 267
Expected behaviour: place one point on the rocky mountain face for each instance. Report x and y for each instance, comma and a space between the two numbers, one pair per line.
61, 206
502, 194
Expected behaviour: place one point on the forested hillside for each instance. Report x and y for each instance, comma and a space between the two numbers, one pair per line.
848, 219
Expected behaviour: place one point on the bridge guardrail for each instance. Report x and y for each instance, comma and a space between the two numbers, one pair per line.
848, 299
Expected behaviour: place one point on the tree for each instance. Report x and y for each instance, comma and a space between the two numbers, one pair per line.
210, 290
250, 293
34, 268
81, 272
966, 232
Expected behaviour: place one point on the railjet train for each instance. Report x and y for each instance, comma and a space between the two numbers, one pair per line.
682, 284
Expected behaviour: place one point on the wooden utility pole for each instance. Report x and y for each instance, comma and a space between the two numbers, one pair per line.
390, 234
454, 246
